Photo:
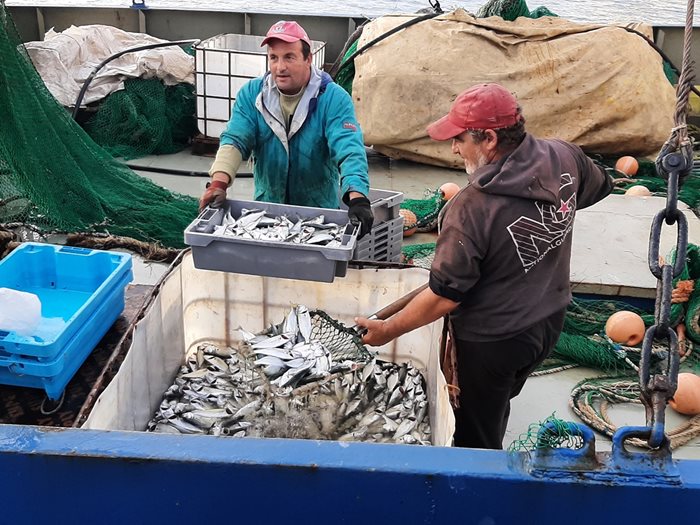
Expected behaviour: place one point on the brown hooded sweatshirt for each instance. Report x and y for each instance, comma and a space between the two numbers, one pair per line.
504, 248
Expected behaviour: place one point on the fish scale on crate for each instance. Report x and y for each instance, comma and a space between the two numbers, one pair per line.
250, 392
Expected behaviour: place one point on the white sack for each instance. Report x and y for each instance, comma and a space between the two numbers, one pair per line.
64, 60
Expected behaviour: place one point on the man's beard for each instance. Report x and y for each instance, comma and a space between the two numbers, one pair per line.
480, 162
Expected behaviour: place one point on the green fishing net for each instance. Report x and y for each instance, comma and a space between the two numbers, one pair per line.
420, 255
53, 177
647, 176
511, 9
145, 118
346, 75
548, 434
426, 209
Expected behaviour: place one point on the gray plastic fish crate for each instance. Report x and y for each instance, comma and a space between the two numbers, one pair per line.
385, 204
211, 251
382, 244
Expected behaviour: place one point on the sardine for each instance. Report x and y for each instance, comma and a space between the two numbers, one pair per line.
271, 342
304, 320
271, 360
183, 426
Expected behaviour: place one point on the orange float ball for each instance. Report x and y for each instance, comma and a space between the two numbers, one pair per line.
627, 165
638, 191
410, 222
625, 327
449, 190
686, 400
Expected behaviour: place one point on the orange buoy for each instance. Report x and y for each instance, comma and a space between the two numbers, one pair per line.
625, 327
449, 190
410, 222
686, 400
638, 191
627, 165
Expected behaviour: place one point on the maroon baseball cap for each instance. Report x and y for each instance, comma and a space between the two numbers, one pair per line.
287, 31
484, 106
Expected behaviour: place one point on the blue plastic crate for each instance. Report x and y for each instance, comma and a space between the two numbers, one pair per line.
85, 288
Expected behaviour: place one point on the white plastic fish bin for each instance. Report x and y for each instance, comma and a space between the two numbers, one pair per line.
195, 307
223, 64
214, 250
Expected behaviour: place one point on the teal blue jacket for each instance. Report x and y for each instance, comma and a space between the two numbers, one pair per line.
305, 165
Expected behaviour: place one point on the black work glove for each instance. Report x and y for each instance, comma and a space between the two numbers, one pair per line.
360, 214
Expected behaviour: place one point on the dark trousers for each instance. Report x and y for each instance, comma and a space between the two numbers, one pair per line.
491, 374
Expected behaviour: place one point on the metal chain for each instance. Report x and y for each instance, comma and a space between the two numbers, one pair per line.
674, 163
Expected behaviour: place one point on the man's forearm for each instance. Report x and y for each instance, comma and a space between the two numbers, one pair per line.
425, 308
225, 166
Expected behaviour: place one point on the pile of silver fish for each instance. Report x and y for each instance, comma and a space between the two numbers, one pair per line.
287, 353
236, 392
258, 225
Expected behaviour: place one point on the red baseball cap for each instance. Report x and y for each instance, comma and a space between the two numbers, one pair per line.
484, 106
287, 31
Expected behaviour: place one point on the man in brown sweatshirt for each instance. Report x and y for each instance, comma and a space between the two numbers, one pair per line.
501, 267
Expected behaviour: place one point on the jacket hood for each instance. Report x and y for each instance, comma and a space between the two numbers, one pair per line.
528, 172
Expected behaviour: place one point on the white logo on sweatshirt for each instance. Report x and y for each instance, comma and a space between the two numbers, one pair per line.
533, 239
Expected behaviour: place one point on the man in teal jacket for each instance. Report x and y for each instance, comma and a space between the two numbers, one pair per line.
300, 129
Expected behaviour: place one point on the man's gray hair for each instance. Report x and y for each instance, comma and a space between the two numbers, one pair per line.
508, 138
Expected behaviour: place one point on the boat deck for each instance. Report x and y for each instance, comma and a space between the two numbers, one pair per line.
616, 266
609, 257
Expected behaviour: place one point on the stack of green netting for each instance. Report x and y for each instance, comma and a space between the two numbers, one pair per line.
145, 118
511, 9
53, 177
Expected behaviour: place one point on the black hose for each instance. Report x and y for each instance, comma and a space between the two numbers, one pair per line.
106, 61
663, 55
187, 173
398, 28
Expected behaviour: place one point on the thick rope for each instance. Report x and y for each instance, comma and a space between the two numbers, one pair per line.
679, 139
605, 392
149, 251
686, 80
547, 371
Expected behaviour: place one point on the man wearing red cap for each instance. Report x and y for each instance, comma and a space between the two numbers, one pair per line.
300, 129
501, 267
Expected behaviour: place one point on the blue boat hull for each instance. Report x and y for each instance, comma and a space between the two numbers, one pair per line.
80, 476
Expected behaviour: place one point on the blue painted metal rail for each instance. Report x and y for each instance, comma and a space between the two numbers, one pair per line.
84, 476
